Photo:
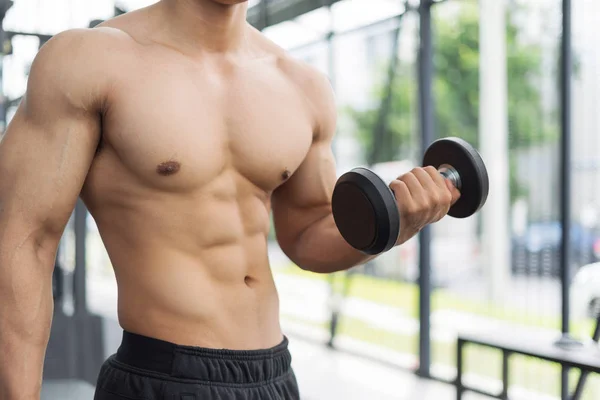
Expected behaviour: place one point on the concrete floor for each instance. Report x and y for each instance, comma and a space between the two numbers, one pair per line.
67, 390
328, 374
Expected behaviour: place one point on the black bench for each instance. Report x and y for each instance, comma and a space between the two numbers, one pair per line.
586, 359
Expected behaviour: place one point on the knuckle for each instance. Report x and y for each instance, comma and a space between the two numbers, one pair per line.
410, 207
421, 173
397, 185
430, 169
425, 205
403, 177
447, 198
411, 179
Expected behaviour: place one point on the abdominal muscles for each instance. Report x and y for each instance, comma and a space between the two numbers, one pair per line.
193, 268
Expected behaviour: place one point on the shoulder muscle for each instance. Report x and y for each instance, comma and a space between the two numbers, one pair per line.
74, 69
317, 90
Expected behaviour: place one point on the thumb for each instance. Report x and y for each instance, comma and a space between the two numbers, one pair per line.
453, 190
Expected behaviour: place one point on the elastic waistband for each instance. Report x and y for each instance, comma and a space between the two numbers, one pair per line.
203, 364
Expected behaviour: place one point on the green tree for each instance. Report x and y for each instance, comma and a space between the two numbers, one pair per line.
456, 94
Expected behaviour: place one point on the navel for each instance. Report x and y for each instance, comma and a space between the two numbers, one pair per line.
99, 147
168, 168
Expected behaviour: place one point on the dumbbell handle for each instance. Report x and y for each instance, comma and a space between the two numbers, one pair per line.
450, 173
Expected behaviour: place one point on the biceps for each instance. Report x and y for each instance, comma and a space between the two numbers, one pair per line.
42, 167
306, 197
312, 185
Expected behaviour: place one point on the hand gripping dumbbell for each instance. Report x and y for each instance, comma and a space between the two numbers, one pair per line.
364, 207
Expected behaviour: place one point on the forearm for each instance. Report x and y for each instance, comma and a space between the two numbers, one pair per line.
25, 318
322, 249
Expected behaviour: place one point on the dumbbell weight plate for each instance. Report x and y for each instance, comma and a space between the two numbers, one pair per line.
365, 211
470, 167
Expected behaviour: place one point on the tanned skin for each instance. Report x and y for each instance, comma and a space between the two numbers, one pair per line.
182, 128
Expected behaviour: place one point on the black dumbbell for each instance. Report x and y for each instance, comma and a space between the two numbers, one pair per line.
364, 207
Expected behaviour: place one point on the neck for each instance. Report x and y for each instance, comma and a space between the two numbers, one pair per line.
208, 24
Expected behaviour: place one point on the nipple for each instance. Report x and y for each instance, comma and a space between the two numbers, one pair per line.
168, 168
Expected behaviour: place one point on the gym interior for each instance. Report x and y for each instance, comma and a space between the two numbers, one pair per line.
503, 303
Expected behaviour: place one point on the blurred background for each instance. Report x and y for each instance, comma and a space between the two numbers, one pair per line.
405, 73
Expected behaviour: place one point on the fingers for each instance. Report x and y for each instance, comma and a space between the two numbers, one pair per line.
401, 191
428, 180
448, 191
429, 193
417, 191
453, 191
440, 194
412, 197
422, 193
433, 198
438, 178
423, 197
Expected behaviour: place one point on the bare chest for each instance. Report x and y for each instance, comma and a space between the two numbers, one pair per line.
176, 130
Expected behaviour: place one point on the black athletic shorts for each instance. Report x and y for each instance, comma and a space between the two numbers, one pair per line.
149, 369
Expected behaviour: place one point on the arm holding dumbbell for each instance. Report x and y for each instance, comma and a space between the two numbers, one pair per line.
306, 230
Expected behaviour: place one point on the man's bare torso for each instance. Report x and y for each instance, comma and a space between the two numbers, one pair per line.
192, 148
181, 127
